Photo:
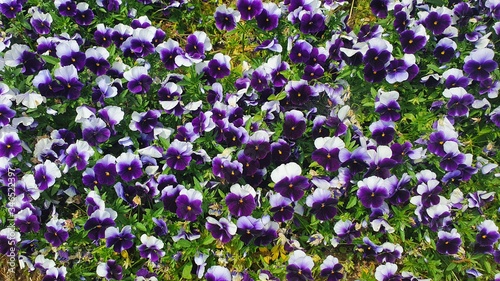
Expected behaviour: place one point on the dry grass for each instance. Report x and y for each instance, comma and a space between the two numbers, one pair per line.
19, 274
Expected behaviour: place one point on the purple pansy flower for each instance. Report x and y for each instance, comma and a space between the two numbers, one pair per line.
281, 207
94, 131
46, 174
110, 5
241, 200
110, 270
268, 18
179, 154
56, 234
226, 18
488, 234
218, 273
327, 152
382, 132
222, 230
41, 22
311, 22
413, 40
10, 144
189, 204
331, 269
387, 106
197, 44
387, 272
459, 102
65, 7
84, 15
249, 8
78, 154
448, 242
299, 266
26, 221
288, 181
301, 51
97, 60
322, 204
129, 166
445, 50
105, 170
479, 64
346, 230
68, 79
372, 192
151, 248
400, 70
138, 79
119, 240
452, 158
145, 122
219, 66
380, 8
299, 92
22, 55
438, 20
294, 124
98, 222
9, 8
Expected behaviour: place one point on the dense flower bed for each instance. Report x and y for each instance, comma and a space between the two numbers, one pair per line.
250, 140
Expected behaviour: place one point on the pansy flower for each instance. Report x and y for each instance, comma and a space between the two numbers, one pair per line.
105, 170
9, 8
289, 182
249, 8
197, 44
110, 5
414, 39
331, 269
299, 266
301, 51
226, 18
219, 66
387, 106
258, 145
129, 166
66, 7
389, 252
241, 200
178, 154
94, 131
41, 22
372, 192
97, 60
327, 152
281, 207
382, 132
119, 240
218, 273
151, 248
268, 18
438, 20
78, 155
299, 92
479, 64
140, 43
46, 174
22, 55
84, 15
400, 70
110, 270
452, 158
56, 233
487, 234
448, 242
495, 116
248, 228
387, 272
98, 222
138, 79
189, 204
294, 124
26, 221
346, 230
222, 230
445, 50
311, 22
69, 81
322, 204
10, 144
459, 102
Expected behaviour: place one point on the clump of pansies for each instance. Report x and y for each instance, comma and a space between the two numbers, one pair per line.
258, 141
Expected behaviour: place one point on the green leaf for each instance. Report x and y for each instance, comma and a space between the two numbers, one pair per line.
50, 60
352, 202
451, 266
186, 271
140, 226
